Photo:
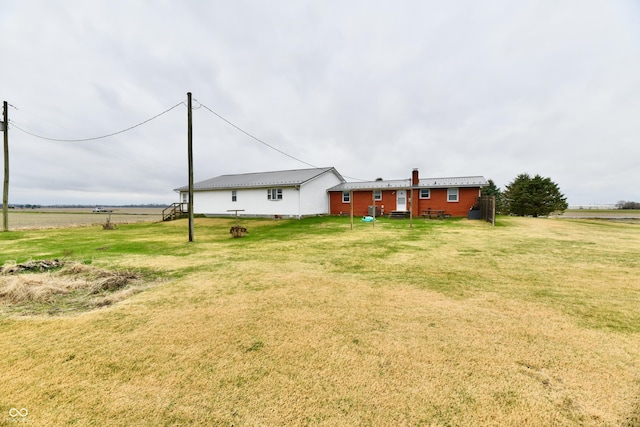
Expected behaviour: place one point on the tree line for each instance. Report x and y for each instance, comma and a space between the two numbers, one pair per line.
622, 204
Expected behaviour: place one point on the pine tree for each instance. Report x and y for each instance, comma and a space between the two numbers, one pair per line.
493, 190
535, 196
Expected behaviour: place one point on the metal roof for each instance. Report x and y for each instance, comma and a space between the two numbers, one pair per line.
462, 181
372, 185
287, 178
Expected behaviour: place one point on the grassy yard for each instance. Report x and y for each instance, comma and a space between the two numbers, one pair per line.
533, 322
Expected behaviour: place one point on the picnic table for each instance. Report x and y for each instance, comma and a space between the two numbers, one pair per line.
435, 213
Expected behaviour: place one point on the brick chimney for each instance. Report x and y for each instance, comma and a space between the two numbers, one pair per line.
414, 177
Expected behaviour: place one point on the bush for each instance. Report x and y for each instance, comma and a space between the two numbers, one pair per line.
237, 231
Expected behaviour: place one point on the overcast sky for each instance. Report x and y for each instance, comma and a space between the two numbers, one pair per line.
373, 88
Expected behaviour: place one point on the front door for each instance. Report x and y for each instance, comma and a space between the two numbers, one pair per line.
401, 200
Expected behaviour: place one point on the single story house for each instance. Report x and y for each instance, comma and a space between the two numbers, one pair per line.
290, 193
431, 196
321, 191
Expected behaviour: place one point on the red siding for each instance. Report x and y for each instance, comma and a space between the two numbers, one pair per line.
361, 202
336, 207
438, 201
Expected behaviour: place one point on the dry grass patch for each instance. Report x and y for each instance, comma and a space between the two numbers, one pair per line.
320, 349
72, 287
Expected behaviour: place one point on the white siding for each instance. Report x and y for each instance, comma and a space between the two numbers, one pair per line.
254, 202
311, 199
314, 197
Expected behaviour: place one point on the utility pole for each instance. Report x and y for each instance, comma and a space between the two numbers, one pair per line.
373, 214
5, 194
190, 156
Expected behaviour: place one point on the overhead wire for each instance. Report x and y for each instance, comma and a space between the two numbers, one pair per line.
263, 142
201, 105
252, 136
13, 124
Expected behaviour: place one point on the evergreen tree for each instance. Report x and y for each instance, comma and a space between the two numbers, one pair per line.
493, 190
535, 196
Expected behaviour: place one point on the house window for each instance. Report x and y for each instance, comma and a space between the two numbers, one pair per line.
185, 197
234, 196
452, 194
377, 195
274, 194
346, 197
425, 193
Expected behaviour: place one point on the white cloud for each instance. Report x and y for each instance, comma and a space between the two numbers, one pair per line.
373, 88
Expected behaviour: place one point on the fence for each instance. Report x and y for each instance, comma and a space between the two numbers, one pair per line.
487, 206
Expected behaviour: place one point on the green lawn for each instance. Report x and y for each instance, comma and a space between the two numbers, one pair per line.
532, 322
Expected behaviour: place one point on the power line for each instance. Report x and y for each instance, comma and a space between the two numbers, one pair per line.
264, 143
97, 137
201, 105
254, 137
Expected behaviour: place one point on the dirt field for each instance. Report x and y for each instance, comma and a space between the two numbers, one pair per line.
602, 214
23, 219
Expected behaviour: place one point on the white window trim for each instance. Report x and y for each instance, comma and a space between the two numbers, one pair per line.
274, 194
234, 196
457, 194
375, 196
346, 197
425, 198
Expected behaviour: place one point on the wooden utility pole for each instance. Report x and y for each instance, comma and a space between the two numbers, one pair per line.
190, 156
5, 194
373, 213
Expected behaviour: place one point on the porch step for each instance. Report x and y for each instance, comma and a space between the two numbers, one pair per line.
399, 214
175, 211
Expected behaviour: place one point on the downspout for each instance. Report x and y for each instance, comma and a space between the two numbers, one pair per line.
299, 201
